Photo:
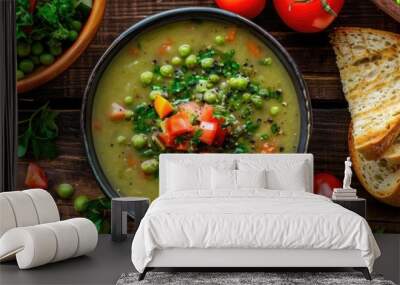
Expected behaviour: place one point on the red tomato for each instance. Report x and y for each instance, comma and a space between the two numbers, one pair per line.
324, 183
178, 124
36, 177
308, 16
32, 6
245, 8
208, 131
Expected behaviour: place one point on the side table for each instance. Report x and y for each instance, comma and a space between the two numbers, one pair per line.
119, 212
357, 205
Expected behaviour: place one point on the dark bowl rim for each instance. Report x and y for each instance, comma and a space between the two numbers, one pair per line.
175, 15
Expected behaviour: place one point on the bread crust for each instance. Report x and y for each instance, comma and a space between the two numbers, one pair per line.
391, 197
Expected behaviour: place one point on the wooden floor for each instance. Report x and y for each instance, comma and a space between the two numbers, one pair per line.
312, 53
106, 264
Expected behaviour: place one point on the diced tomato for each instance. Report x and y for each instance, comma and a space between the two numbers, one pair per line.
179, 124
208, 131
167, 139
220, 137
184, 146
206, 113
36, 177
131, 161
190, 108
32, 6
163, 106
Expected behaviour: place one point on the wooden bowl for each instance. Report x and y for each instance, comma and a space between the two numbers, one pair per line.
45, 74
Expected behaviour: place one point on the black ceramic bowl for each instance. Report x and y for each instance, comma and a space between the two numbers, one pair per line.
174, 16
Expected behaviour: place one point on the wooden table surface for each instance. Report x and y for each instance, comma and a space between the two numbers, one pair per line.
312, 52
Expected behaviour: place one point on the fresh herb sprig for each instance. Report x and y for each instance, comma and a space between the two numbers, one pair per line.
38, 134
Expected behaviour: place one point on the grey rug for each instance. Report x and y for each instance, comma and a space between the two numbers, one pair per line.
243, 278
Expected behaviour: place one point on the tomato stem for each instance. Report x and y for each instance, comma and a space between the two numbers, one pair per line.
325, 6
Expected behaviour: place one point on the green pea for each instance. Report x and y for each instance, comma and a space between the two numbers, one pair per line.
26, 66
46, 59
139, 141
81, 203
207, 62
146, 77
65, 190
19, 74
176, 60
191, 61
166, 70
214, 78
56, 50
128, 100
128, 114
76, 25
121, 139
219, 40
37, 48
257, 101
184, 50
267, 61
23, 49
246, 97
149, 166
72, 35
242, 83
210, 97
274, 110
154, 93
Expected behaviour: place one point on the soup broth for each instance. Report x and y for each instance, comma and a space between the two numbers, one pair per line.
190, 86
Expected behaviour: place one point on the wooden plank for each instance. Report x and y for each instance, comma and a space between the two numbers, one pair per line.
312, 52
328, 144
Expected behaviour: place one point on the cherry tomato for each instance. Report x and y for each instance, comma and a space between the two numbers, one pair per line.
32, 6
245, 8
324, 183
36, 177
308, 16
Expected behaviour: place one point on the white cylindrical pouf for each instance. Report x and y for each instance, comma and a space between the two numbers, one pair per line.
87, 235
34, 246
23, 208
45, 206
7, 218
67, 239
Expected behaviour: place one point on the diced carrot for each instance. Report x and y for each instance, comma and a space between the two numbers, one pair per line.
117, 116
163, 106
231, 34
134, 51
268, 148
165, 47
96, 125
254, 49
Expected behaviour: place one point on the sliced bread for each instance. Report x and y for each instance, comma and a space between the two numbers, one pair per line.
369, 65
392, 155
379, 178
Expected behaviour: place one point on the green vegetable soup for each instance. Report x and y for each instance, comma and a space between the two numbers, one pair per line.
199, 86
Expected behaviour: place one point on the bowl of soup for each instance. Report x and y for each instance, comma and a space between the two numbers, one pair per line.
190, 80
